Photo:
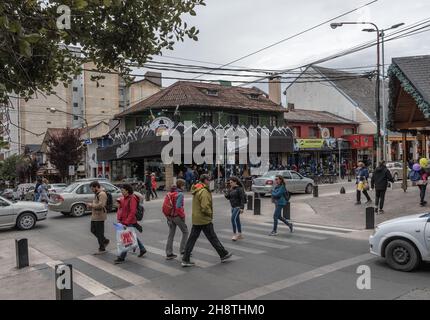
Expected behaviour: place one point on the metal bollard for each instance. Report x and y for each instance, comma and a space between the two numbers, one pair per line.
287, 211
315, 191
21, 249
370, 218
64, 282
257, 207
250, 202
342, 190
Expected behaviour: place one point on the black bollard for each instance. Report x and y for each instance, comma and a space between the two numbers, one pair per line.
287, 211
257, 207
64, 282
250, 202
315, 191
349, 178
342, 190
370, 218
21, 249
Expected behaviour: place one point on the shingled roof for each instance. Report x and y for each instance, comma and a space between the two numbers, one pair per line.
359, 90
310, 116
195, 94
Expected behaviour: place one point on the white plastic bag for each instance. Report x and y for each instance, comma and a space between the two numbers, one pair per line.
126, 238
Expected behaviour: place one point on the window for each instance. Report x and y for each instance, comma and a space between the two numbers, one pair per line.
234, 119
290, 106
139, 122
254, 120
84, 189
297, 132
109, 188
348, 131
331, 130
75, 89
75, 104
314, 132
273, 121
75, 118
212, 92
254, 96
286, 175
296, 176
206, 117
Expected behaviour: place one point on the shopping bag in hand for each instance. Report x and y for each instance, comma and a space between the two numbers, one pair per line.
126, 238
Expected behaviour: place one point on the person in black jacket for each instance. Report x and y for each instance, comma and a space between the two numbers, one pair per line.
148, 186
237, 197
379, 182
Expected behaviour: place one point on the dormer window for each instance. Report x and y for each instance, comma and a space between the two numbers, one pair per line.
254, 96
212, 92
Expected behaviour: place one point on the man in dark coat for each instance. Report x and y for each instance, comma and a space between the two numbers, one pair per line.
379, 182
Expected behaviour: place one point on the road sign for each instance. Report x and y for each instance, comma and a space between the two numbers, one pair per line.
88, 141
71, 170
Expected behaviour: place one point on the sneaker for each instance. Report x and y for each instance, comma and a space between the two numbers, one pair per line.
101, 251
273, 234
187, 264
234, 238
369, 202
226, 257
239, 236
171, 257
381, 211
142, 253
106, 242
291, 227
119, 261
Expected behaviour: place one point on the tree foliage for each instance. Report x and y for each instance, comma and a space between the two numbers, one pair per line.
14, 168
110, 33
65, 149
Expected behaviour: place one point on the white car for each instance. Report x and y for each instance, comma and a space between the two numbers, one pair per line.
21, 214
403, 242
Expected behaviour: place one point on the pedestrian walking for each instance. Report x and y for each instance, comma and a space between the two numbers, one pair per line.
280, 198
236, 194
362, 176
202, 217
99, 215
154, 186
173, 209
126, 215
36, 189
148, 186
419, 178
42, 190
379, 182
189, 177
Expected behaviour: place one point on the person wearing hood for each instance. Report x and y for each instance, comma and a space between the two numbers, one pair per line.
379, 182
362, 176
202, 217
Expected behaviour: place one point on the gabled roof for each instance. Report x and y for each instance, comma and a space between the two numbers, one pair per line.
310, 116
194, 94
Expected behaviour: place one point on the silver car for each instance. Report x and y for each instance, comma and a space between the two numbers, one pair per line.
73, 199
294, 181
403, 242
20, 214
396, 170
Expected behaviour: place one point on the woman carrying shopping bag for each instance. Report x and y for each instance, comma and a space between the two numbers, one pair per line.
126, 215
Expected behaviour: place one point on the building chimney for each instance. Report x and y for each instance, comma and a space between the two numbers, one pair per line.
154, 77
275, 89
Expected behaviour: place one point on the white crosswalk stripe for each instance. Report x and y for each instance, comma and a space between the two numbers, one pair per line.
256, 242
257, 235
205, 251
237, 247
147, 263
114, 270
319, 231
199, 263
301, 235
89, 284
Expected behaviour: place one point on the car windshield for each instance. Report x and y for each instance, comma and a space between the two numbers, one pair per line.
70, 188
272, 174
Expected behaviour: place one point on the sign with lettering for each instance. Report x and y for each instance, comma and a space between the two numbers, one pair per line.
122, 150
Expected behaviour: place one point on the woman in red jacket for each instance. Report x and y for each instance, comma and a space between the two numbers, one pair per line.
154, 186
126, 215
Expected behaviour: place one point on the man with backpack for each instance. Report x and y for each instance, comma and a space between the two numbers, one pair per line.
202, 221
99, 215
173, 209
379, 182
148, 186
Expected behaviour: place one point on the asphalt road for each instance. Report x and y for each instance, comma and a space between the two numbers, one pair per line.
312, 263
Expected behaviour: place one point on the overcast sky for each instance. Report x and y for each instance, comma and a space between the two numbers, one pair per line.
231, 29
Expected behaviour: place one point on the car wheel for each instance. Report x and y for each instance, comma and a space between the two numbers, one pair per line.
402, 255
26, 221
396, 177
78, 210
309, 189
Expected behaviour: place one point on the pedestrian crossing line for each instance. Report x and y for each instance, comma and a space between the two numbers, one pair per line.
341, 230
301, 235
85, 282
256, 242
205, 251
114, 270
256, 235
237, 247
199, 263
326, 232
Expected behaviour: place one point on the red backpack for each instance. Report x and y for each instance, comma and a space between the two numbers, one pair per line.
169, 204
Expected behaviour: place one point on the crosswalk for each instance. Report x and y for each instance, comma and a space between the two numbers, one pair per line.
97, 275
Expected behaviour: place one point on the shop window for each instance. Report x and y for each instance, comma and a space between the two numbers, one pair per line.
314, 132
206, 117
348, 131
254, 120
234, 119
273, 121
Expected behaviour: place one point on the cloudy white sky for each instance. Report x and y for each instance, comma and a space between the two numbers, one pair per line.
231, 29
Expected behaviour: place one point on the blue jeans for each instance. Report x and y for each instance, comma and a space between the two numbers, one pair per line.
141, 247
277, 215
235, 220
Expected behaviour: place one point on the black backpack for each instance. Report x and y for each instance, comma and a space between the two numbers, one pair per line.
140, 210
109, 202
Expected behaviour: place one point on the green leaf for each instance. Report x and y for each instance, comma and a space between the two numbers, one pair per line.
81, 4
4, 22
32, 38
25, 48
107, 3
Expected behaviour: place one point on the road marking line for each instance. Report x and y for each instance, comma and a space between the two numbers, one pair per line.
325, 227
89, 284
256, 235
295, 234
205, 251
200, 263
257, 242
239, 248
320, 231
114, 270
156, 266
300, 278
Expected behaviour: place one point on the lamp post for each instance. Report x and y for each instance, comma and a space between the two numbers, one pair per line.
384, 102
378, 84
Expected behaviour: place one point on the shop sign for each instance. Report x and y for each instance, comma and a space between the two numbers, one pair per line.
325, 133
310, 143
161, 125
361, 141
122, 150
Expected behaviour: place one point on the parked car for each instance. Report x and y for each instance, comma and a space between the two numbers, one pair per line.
21, 190
56, 187
73, 199
396, 170
8, 194
294, 181
20, 214
403, 242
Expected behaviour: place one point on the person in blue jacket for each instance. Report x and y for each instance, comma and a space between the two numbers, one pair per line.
280, 198
362, 175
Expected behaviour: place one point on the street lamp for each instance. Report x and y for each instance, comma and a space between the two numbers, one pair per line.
378, 85
54, 110
384, 103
